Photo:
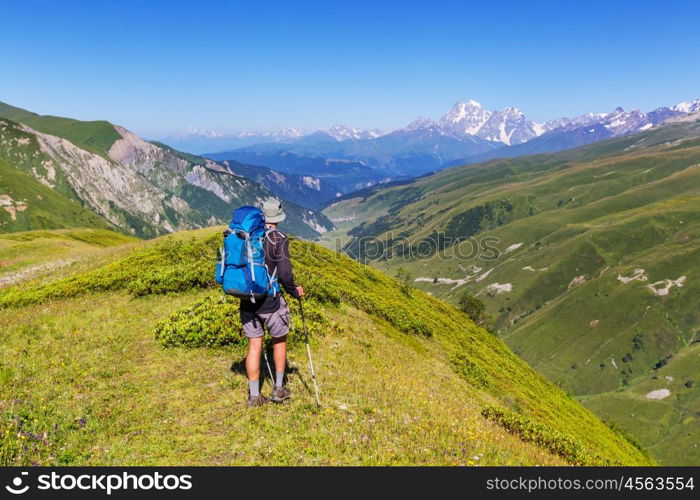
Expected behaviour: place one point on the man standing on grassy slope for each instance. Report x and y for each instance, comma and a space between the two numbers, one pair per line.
272, 311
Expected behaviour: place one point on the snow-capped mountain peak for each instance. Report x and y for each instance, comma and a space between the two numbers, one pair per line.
464, 118
420, 123
342, 133
512, 111
621, 122
470, 110
687, 106
290, 132
469, 118
200, 132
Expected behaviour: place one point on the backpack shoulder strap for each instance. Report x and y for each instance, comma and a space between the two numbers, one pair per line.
274, 235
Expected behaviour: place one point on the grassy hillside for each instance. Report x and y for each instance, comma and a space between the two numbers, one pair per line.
35, 254
25, 204
138, 360
594, 281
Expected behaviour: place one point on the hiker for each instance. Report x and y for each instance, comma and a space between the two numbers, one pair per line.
271, 311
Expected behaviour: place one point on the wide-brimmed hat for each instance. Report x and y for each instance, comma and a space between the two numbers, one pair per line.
272, 210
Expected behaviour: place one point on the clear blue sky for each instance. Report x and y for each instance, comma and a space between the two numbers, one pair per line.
158, 67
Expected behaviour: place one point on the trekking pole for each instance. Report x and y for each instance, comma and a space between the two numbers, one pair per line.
267, 362
308, 351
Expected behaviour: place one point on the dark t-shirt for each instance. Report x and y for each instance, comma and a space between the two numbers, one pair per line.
276, 257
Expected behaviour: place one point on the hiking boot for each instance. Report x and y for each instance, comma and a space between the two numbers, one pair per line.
281, 394
255, 401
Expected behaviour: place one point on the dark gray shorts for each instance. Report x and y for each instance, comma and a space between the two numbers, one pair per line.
277, 322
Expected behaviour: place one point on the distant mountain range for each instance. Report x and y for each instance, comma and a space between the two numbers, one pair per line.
564, 133
465, 119
196, 140
58, 172
466, 133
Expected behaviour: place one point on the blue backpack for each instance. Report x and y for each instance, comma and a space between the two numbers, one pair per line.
241, 268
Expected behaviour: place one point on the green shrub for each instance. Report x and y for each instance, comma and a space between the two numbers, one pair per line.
473, 307
214, 321
567, 447
211, 321
405, 280
470, 371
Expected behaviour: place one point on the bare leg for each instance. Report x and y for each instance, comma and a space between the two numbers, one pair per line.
252, 360
279, 351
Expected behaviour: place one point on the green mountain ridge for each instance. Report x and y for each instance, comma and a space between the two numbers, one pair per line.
127, 360
94, 136
595, 284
